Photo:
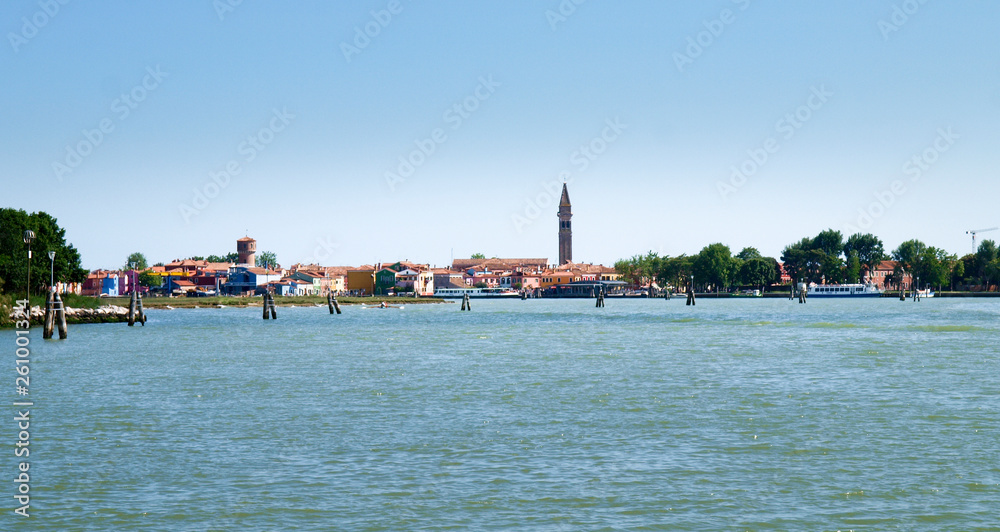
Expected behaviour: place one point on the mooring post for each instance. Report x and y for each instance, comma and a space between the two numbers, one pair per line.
329, 301
131, 311
274, 309
47, 328
265, 302
60, 314
140, 314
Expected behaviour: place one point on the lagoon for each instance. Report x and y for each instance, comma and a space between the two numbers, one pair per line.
538, 414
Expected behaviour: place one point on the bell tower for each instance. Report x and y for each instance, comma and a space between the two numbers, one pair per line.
565, 228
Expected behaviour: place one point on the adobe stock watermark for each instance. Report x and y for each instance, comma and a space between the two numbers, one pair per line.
30, 26
915, 167
899, 16
249, 149
225, 7
580, 159
705, 38
562, 12
454, 116
363, 35
786, 128
121, 108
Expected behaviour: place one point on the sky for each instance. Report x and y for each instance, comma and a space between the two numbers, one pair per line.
348, 133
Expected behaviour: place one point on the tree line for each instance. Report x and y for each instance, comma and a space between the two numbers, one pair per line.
826, 258
48, 237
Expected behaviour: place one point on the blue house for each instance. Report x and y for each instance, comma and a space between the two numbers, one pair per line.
109, 286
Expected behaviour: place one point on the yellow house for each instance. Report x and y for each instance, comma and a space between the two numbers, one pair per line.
552, 278
361, 280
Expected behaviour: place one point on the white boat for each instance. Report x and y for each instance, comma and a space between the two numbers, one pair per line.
844, 290
927, 292
459, 293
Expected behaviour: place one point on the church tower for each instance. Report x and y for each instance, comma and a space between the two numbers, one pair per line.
565, 229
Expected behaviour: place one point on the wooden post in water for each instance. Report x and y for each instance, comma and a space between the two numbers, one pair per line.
331, 301
131, 310
466, 303
140, 314
60, 315
47, 328
269, 311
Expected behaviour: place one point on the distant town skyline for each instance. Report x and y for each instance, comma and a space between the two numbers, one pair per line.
354, 133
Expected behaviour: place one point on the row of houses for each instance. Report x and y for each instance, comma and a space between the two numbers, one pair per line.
199, 277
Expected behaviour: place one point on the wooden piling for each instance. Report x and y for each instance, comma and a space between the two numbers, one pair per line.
131, 310
140, 315
49, 315
269, 307
466, 303
690, 297
60, 316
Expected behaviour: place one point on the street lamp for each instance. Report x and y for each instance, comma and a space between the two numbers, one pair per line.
52, 271
134, 276
29, 235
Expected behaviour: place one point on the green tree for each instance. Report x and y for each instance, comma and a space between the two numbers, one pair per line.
749, 253
934, 267
758, 272
267, 258
675, 271
478, 256
829, 242
196, 257
853, 272
714, 266
957, 272
48, 237
150, 280
909, 254
798, 260
138, 258
869, 249
985, 255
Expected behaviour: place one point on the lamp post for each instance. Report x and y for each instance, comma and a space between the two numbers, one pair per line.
29, 235
52, 271
134, 276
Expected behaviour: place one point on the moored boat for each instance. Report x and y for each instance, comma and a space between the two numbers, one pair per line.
459, 293
844, 290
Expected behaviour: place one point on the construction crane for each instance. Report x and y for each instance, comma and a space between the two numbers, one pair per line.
975, 232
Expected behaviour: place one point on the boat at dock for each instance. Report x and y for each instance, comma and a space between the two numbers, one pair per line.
459, 293
844, 290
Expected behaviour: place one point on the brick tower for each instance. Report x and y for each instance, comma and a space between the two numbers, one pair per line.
246, 247
565, 228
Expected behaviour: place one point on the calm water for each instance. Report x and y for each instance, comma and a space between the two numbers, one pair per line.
540, 414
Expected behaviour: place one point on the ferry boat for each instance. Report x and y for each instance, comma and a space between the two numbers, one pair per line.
459, 293
844, 290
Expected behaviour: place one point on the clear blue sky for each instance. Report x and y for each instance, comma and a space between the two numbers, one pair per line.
330, 114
